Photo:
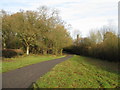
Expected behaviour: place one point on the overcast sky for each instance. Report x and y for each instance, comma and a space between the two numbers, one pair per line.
83, 15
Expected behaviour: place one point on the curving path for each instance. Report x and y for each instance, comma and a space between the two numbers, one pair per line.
25, 76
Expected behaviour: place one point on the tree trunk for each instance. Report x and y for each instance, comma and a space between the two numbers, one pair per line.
56, 52
44, 52
27, 50
61, 51
4, 45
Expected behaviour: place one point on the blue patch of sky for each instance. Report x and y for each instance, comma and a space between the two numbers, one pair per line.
13, 4
66, 4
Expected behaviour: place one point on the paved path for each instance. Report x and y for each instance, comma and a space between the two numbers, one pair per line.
24, 77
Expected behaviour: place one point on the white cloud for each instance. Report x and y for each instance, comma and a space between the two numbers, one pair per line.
81, 14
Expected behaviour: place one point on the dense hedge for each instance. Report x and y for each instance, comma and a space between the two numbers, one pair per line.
107, 49
99, 53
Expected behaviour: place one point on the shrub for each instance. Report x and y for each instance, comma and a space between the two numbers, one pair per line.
8, 53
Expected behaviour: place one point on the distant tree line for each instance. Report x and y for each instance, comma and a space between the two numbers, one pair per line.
41, 31
102, 43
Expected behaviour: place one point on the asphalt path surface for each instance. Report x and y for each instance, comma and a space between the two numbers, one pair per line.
25, 76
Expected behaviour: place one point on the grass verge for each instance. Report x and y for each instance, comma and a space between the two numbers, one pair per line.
18, 62
81, 72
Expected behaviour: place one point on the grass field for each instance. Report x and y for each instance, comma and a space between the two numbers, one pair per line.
81, 72
18, 62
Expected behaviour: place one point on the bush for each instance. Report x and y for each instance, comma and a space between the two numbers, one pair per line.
8, 53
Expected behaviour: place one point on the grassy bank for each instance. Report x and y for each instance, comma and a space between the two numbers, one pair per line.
81, 72
18, 62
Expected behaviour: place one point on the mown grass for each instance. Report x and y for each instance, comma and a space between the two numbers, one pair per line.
80, 72
18, 62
